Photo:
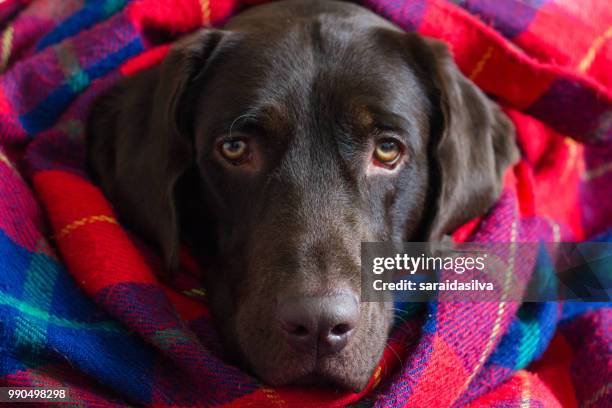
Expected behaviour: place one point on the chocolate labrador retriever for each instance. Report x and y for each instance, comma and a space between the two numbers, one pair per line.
274, 147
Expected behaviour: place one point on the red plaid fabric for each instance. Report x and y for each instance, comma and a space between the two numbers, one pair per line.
80, 305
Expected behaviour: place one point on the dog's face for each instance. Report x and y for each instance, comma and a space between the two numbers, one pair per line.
274, 148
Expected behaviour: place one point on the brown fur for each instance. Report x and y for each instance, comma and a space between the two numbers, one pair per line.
318, 82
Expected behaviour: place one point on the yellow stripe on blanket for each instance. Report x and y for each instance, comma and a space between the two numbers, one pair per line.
588, 59
481, 63
85, 221
596, 172
205, 7
7, 45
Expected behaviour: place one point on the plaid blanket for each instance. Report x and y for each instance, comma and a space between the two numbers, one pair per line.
80, 306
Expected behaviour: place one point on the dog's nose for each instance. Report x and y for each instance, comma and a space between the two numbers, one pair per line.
321, 324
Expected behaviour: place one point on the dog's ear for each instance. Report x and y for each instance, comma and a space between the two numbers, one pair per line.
472, 142
140, 141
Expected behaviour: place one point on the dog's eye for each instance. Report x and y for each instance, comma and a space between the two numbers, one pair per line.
234, 150
387, 152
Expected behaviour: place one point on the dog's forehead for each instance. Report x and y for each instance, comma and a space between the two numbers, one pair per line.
280, 15
316, 69
295, 36
320, 61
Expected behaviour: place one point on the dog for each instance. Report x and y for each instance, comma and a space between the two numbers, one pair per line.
273, 147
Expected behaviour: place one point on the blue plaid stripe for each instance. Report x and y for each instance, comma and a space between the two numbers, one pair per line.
93, 12
38, 292
44, 328
510, 18
46, 113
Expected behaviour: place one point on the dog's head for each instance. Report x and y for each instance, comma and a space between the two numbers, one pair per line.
275, 147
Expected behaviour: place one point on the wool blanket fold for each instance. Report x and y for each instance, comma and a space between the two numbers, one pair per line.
81, 308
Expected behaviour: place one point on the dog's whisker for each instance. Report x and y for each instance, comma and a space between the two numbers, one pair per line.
390, 347
244, 116
403, 330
